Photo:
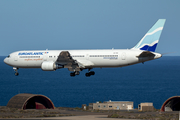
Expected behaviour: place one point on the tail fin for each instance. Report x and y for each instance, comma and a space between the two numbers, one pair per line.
151, 38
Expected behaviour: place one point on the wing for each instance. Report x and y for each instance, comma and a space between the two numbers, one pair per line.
67, 61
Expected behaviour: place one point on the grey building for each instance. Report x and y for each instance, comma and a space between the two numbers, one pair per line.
113, 105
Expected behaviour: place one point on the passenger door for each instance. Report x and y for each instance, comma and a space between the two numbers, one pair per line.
123, 56
16, 58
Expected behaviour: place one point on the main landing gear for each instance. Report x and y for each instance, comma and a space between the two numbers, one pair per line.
74, 73
90, 73
16, 71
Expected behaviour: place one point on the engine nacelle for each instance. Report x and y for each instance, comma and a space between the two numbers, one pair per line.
50, 66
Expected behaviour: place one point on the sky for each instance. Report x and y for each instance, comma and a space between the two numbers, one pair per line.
86, 24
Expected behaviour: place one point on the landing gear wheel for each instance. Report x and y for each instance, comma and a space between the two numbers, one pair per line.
16, 74
72, 74
92, 73
87, 75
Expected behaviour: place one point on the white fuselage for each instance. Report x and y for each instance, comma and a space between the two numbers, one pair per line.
88, 58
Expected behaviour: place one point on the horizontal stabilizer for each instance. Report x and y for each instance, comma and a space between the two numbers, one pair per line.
146, 54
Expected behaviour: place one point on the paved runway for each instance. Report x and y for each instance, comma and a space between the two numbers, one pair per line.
85, 117
90, 117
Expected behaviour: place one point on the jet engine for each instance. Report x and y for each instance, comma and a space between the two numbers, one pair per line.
50, 66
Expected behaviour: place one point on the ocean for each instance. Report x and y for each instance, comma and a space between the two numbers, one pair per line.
154, 81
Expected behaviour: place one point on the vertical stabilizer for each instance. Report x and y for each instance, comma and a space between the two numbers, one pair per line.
151, 38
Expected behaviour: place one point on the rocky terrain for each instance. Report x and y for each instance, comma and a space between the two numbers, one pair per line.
6, 112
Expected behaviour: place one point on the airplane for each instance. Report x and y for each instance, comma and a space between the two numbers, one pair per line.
78, 60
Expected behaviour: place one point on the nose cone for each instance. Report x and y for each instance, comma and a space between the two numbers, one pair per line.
6, 60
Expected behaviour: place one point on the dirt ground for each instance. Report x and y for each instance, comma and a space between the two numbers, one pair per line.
6, 112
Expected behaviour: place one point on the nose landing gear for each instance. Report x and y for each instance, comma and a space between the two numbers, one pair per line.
16, 71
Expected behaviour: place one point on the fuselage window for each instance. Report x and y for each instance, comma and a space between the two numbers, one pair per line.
107, 56
103, 55
78, 56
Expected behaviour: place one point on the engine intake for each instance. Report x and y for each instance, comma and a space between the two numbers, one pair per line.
50, 66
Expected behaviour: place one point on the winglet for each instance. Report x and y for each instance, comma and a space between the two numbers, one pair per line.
151, 38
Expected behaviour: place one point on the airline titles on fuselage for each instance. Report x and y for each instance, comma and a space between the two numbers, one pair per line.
32, 53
